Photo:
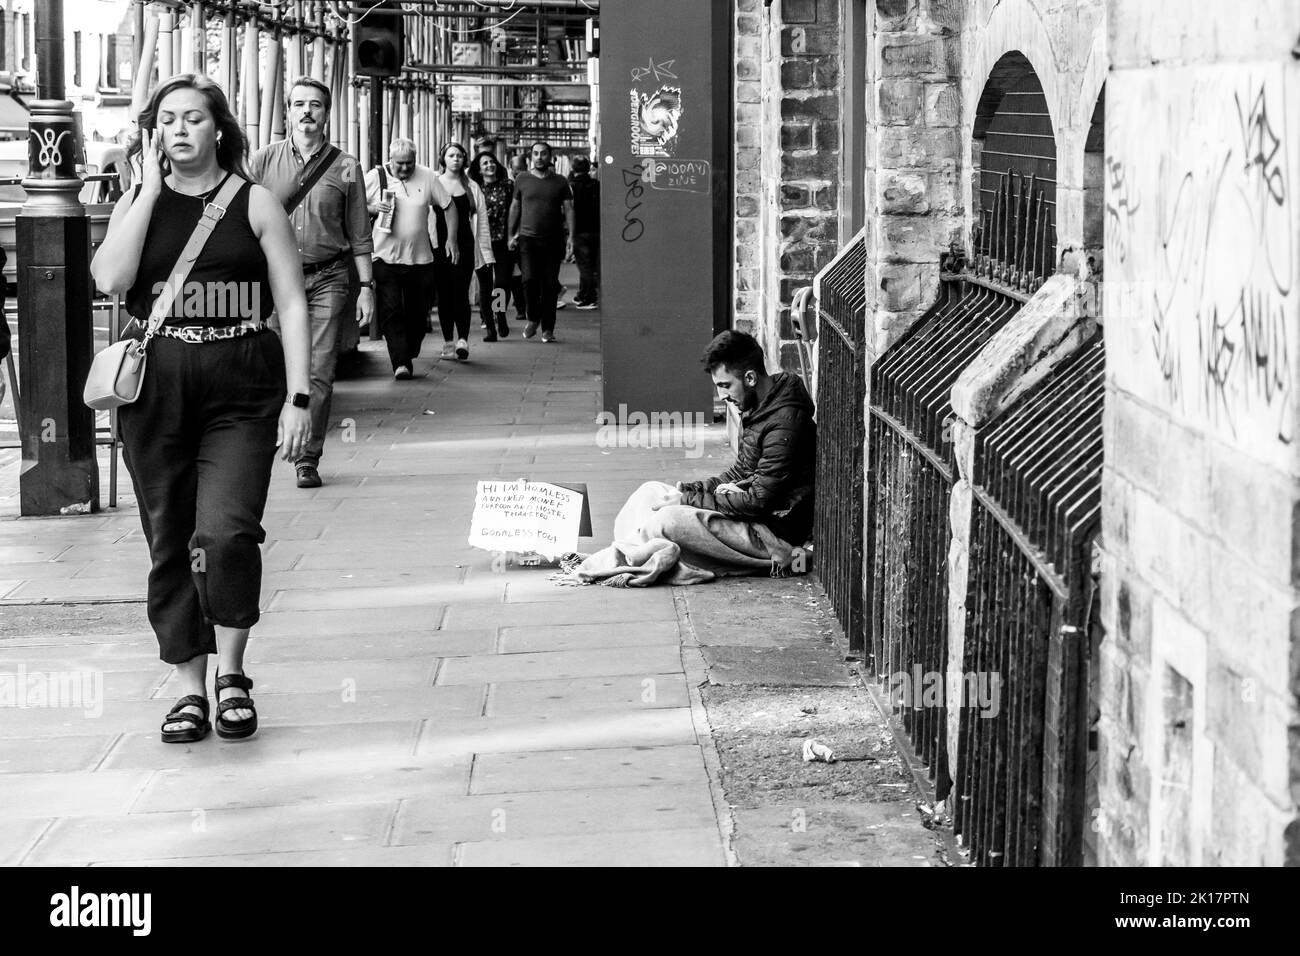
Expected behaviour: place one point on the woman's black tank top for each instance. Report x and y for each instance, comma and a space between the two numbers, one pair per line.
465, 230
229, 283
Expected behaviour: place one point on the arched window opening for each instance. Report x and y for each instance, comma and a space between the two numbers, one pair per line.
1014, 196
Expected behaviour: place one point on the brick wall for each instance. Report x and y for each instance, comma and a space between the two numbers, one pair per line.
1200, 671
788, 66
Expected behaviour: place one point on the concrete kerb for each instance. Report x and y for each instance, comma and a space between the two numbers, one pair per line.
697, 675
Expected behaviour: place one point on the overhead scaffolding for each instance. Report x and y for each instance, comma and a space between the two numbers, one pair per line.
531, 59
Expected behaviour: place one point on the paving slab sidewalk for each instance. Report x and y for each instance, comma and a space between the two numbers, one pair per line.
421, 703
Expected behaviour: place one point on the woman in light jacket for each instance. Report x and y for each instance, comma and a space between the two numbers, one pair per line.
452, 279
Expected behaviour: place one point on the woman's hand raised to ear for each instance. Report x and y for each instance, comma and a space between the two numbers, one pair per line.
151, 157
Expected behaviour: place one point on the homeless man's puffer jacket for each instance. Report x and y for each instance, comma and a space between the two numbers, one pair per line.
774, 466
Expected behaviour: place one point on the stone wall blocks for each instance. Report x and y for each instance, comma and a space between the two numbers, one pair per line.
827, 199
1247, 826
796, 135
813, 165
894, 15
903, 193
795, 195
798, 11
814, 106
900, 102
942, 105
1116, 513
826, 74
809, 40
796, 73
749, 114
826, 135
800, 259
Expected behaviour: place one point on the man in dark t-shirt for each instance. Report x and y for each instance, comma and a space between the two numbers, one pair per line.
541, 210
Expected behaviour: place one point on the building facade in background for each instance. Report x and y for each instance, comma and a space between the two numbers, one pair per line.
1067, 372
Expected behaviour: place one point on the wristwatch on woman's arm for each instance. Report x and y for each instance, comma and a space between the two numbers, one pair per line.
299, 400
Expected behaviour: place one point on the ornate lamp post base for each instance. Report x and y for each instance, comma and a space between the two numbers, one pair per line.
60, 474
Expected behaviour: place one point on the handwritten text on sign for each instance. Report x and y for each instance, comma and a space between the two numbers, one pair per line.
525, 516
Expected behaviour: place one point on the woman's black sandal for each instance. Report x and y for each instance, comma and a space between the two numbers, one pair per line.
235, 729
200, 725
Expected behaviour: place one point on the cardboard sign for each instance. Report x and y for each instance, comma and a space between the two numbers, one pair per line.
527, 516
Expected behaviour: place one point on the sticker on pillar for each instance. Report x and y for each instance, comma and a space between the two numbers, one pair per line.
653, 121
679, 175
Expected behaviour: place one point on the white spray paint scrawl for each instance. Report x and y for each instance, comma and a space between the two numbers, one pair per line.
1201, 247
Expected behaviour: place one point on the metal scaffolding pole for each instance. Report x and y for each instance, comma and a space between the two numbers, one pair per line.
271, 68
248, 89
166, 21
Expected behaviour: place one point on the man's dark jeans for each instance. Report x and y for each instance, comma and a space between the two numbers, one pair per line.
540, 260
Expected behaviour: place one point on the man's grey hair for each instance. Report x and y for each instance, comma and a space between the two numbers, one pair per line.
401, 145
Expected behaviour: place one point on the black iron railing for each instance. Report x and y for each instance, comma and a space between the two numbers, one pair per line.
1037, 507
841, 390
913, 465
909, 488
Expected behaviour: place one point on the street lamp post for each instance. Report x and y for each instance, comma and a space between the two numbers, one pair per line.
56, 338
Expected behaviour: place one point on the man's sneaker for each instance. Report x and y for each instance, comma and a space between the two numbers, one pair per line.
462, 349
530, 330
503, 327
402, 373
560, 303
549, 337
449, 350
587, 306
489, 334
308, 476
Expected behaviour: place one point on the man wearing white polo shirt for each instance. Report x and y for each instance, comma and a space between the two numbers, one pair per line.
404, 252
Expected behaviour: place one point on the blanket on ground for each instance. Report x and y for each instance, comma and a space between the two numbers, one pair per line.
677, 544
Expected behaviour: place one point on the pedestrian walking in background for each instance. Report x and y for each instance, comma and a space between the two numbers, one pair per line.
403, 195
322, 190
540, 213
586, 234
200, 440
454, 266
496, 280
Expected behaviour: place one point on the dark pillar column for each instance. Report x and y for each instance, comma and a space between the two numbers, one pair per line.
665, 267
56, 339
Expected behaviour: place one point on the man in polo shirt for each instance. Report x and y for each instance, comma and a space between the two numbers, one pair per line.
331, 224
404, 252
539, 213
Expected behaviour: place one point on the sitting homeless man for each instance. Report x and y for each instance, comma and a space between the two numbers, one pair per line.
748, 520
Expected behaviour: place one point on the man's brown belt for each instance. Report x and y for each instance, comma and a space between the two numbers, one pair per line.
311, 268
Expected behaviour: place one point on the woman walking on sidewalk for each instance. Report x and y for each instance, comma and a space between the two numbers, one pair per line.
453, 268
494, 280
201, 438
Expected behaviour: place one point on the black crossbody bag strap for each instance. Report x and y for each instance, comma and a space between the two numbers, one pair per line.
330, 155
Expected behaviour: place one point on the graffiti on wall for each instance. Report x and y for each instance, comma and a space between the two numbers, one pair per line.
1200, 213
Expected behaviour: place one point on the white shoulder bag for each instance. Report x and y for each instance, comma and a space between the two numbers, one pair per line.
117, 373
